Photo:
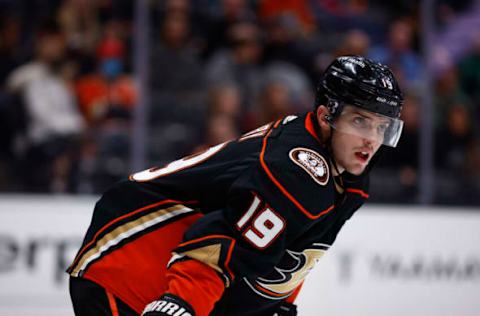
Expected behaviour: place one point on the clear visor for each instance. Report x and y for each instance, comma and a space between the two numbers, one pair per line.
375, 127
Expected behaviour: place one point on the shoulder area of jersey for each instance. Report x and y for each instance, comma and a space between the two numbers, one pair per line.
288, 119
312, 162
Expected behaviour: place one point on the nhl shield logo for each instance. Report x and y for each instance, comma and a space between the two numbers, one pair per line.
312, 162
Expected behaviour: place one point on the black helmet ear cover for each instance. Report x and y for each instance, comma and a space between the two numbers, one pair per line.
335, 108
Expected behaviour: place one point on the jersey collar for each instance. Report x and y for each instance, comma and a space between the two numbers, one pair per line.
311, 125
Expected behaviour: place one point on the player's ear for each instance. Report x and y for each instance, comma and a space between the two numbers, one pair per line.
321, 113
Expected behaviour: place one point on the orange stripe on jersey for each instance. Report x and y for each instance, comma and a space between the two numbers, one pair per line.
309, 126
80, 253
294, 295
358, 191
196, 283
277, 123
227, 261
270, 293
282, 189
113, 304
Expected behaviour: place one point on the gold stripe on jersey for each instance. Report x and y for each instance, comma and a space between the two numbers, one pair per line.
126, 231
210, 255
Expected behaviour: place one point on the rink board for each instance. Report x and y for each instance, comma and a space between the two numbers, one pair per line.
387, 260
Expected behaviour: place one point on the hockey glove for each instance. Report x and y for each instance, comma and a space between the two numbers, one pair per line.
286, 309
170, 305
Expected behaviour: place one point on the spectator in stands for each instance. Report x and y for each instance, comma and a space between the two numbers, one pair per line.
286, 41
109, 91
225, 100
183, 7
453, 140
469, 72
295, 81
9, 41
337, 16
177, 109
453, 144
107, 98
220, 128
355, 42
82, 28
473, 164
175, 62
448, 93
9, 123
220, 20
275, 102
298, 10
239, 64
398, 52
53, 119
402, 164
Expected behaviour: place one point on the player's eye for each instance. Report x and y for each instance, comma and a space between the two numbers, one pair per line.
382, 128
360, 122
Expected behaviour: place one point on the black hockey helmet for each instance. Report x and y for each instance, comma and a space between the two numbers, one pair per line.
361, 82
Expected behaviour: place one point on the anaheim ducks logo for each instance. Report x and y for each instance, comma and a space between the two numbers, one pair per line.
288, 274
312, 162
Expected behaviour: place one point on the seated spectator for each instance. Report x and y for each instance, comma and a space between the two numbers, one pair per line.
448, 93
53, 120
295, 81
110, 91
355, 42
453, 139
220, 128
454, 181
403, 162
275, 103
270, 9
225, 100
220, 20
469, 73
175, 63
9, 42
398, 52
286, 41
336, 16
10, 115
239, 64
473, 163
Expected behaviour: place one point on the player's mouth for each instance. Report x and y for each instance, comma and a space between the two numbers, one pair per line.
363, 156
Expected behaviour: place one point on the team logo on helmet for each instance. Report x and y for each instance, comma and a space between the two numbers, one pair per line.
312, 162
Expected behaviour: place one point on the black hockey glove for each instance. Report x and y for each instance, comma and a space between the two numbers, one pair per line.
170, 305
286, 309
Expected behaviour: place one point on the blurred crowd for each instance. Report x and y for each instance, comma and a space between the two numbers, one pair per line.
219, 68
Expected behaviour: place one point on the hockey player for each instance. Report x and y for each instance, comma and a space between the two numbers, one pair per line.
234, 230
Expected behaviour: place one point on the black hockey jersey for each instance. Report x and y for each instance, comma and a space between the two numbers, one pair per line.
263, 209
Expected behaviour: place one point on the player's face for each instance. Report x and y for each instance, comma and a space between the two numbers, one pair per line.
357, 136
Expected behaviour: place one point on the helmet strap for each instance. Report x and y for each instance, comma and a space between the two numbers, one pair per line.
330, 151
327, 141
340, 187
